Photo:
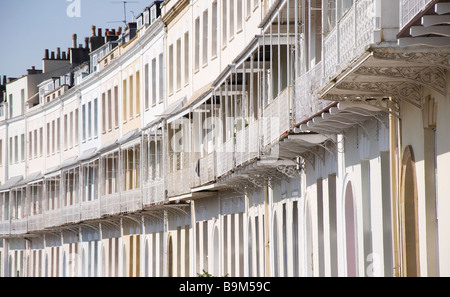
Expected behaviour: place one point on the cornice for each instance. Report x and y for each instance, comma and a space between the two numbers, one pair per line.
170, 15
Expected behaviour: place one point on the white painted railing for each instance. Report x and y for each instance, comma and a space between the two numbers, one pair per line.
354, 32
90, 210
277, 117
19, 226
247, 146
71, 214
52, 218
307, 101
178, 182
225, 157
410, 8
110, 204
5, 227
131, 201
154, 192
36, 222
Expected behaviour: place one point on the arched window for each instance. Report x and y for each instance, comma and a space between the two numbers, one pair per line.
409, 215
350, 232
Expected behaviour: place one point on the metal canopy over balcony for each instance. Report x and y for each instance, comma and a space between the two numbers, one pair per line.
430, 23
393, 72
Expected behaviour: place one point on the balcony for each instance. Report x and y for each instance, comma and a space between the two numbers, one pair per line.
277, 118
178, 182
154, 192
307, 102
19, 226
225, 157
71, 214
203, 170
52, 218
131, 201
36, 222
5, 227
247, 141
90, 210
110, 204
351, 37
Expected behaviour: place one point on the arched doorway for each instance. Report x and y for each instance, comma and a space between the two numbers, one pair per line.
216, 268
147, 259
276, 266
309, 269
124, 261
170, 258
250, 248
350, 232
410, 233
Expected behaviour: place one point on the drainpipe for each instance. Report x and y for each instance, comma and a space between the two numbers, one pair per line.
394, 191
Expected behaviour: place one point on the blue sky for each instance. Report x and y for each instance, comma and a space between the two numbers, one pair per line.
28, 27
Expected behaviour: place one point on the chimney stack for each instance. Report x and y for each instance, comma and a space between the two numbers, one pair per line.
46, 54
74, 41
58, 53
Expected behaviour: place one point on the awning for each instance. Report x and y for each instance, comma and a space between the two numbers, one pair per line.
10, 183
31, 178
130, 136
196, 99
89, 154
109, 146
69, 162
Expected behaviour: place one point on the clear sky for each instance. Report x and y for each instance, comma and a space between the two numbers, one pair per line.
28, 27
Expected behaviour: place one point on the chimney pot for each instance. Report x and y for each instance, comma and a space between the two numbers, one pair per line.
46, 55
93, 30
58, 53
4, 80
64, 56
53, 56
74, 40
99, 32
86, 42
